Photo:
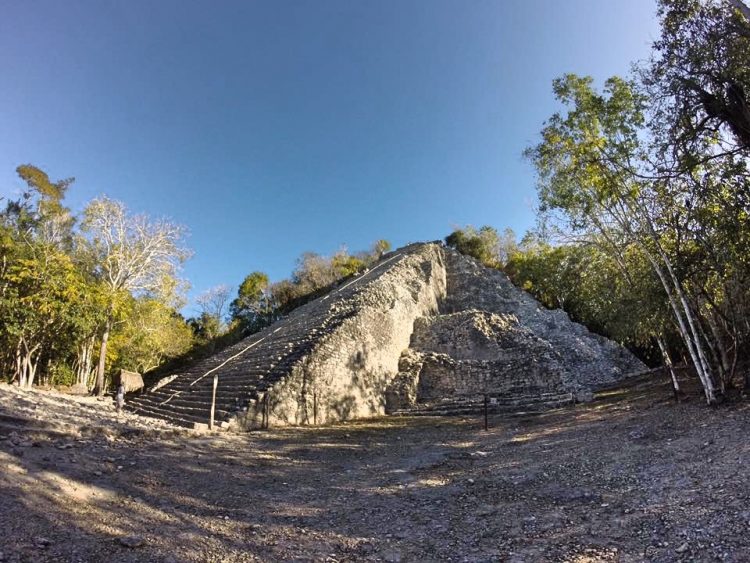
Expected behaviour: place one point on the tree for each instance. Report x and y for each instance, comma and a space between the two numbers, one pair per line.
41, 291
42, 212
129, 254
380, 247
482, 244
698, 80
151, 334
252, 305
313, 272
213, 303
344, 265
593, 169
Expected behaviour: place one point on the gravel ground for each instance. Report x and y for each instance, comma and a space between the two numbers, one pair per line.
630, 477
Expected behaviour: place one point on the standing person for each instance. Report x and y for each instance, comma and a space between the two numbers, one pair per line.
120, 397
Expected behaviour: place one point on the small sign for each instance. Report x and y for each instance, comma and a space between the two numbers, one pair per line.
493, 400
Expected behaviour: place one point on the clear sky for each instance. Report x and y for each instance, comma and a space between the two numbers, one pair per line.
272, 128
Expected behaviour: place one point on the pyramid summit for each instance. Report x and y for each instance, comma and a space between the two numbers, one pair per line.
426, 330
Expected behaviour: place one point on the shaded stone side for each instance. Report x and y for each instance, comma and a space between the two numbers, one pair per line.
590, 360
475, 352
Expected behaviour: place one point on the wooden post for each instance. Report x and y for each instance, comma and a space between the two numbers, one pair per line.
315, 409
213, 402
267, 409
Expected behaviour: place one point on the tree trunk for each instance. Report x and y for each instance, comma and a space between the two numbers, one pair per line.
32, 370
99, 389
663, 268
669, 367
723, 354
682, 328
19, 364
85, 350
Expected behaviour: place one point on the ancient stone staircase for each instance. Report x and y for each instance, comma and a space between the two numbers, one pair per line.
248, 369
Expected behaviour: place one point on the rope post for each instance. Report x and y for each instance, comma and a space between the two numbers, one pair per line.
268, 411
213, 402
315, 409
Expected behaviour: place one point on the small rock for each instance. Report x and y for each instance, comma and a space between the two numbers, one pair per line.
683, 548
391, 556
132, 541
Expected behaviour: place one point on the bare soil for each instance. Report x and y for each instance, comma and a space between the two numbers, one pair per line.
630, 477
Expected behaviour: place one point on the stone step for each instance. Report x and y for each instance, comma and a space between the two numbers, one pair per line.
449, 407
249, 367
184, 422
498, 400
227, 404
197, 413
172, 418
238, 385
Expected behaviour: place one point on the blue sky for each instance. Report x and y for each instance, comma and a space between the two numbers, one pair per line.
272, 128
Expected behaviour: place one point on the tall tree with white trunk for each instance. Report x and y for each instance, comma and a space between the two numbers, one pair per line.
129, 254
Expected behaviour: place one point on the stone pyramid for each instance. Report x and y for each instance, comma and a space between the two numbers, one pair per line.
426, 330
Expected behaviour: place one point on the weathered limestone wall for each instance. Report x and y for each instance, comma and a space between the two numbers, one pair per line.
472, 353
346, 373
590, 360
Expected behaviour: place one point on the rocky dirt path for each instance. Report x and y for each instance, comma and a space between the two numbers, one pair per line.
631, 477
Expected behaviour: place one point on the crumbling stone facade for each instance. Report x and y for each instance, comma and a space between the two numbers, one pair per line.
425, 326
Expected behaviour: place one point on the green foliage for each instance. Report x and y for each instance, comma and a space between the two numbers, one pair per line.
587, 283
653, 173
482, 244
379, 248
344, 265
61, 374
699, 80
59, 289
151, 334
253, 306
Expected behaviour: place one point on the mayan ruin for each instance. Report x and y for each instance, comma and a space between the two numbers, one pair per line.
425, 330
